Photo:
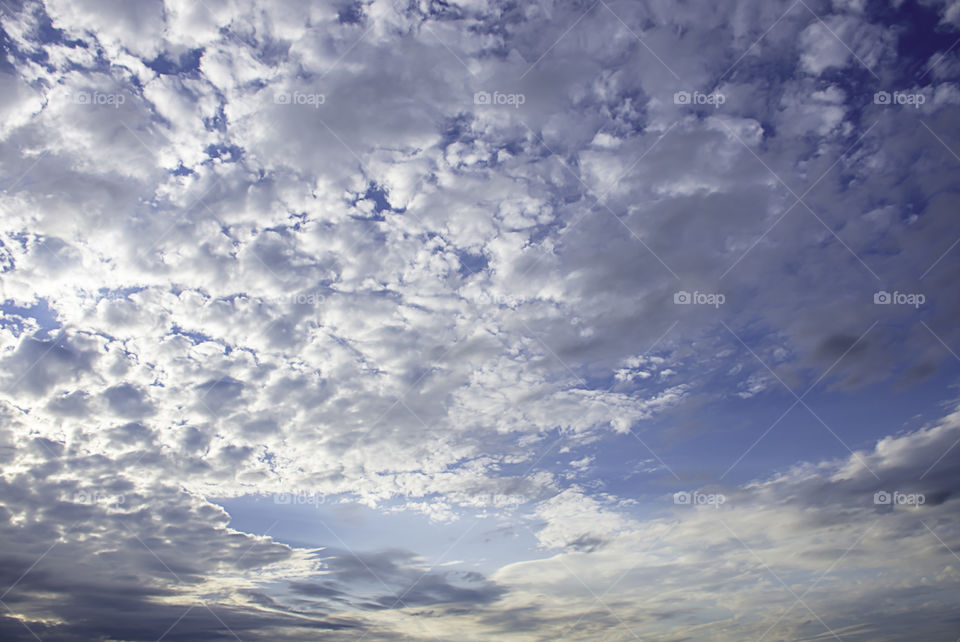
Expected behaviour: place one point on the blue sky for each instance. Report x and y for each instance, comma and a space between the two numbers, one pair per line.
482, 320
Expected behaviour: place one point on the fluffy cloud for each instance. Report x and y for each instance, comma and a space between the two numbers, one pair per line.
433, 258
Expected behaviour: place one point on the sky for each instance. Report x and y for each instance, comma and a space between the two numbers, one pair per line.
479, 320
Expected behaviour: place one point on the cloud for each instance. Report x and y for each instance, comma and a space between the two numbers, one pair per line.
814, 532
431, 259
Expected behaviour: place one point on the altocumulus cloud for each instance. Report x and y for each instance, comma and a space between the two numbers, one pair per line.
583, 320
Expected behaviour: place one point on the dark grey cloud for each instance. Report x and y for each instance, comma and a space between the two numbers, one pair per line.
38, 364
408, 583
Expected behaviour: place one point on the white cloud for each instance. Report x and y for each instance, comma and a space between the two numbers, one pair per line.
315, 262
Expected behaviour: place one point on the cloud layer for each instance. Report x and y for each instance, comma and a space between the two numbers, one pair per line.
544, 264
